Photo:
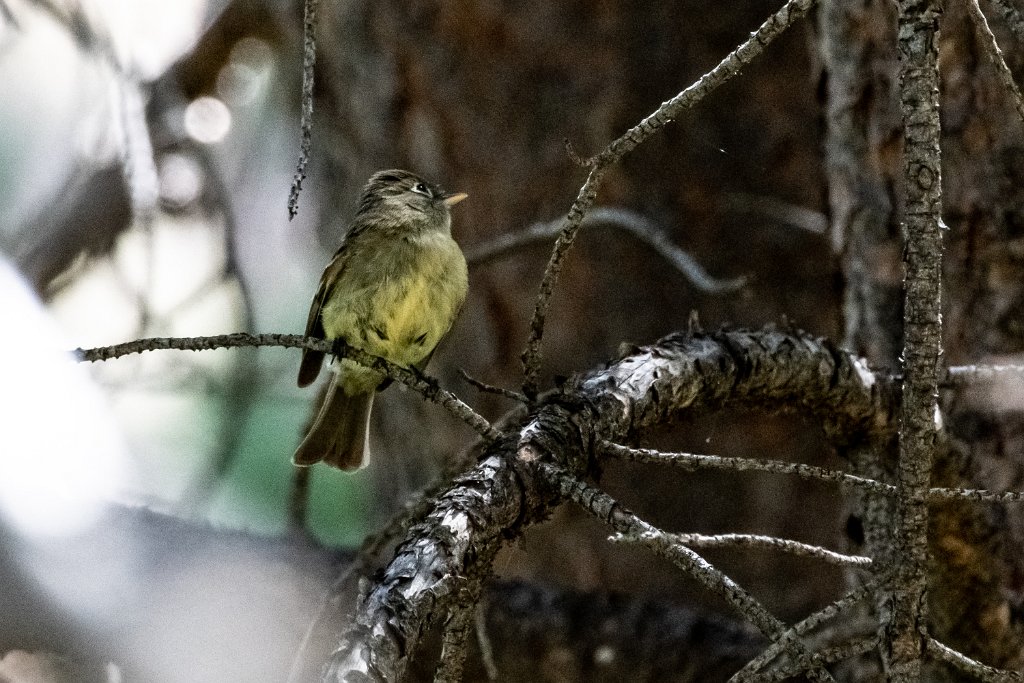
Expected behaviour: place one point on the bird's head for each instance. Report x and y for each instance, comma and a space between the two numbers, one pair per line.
402, 198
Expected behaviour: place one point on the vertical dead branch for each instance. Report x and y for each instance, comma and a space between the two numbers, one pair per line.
306, 122
919, 97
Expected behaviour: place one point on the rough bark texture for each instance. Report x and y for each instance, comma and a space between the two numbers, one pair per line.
922, 344
503, 495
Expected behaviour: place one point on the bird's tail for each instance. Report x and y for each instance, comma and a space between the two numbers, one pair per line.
338, 436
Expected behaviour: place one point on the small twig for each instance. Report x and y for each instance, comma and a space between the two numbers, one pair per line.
668, 111
574, 156
692, 462
995, 55
608, 510
306, 119
416, 381
491, 389
962, 662
752, 541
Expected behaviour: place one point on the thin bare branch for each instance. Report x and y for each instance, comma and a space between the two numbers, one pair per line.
306, 120
965, 664
669, 110
750, 541
636, 224
608, 510
693, 462
959, 375
995, 55
416, 381
490, 389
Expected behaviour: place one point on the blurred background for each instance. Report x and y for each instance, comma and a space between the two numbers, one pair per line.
146, 154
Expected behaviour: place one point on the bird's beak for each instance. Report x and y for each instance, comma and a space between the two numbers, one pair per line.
453, 199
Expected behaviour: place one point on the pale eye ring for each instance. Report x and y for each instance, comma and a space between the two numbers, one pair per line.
421, 188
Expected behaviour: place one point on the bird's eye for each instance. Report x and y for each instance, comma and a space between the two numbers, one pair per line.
421, 189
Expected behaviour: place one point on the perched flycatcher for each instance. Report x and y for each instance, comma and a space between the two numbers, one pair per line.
393, 289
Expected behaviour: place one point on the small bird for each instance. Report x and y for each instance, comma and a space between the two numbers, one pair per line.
393, 289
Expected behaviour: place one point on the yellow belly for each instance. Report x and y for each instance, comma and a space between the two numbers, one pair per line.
400, 317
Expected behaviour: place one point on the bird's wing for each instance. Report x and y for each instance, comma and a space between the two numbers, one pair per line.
312, 361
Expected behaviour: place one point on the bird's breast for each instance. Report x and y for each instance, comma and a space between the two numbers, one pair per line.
407, 303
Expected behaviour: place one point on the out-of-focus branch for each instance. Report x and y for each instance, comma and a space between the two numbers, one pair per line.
814, 222
995, 55
773, 27
958, 375
638, 225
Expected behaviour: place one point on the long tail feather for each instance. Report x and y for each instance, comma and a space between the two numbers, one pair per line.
338, 436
